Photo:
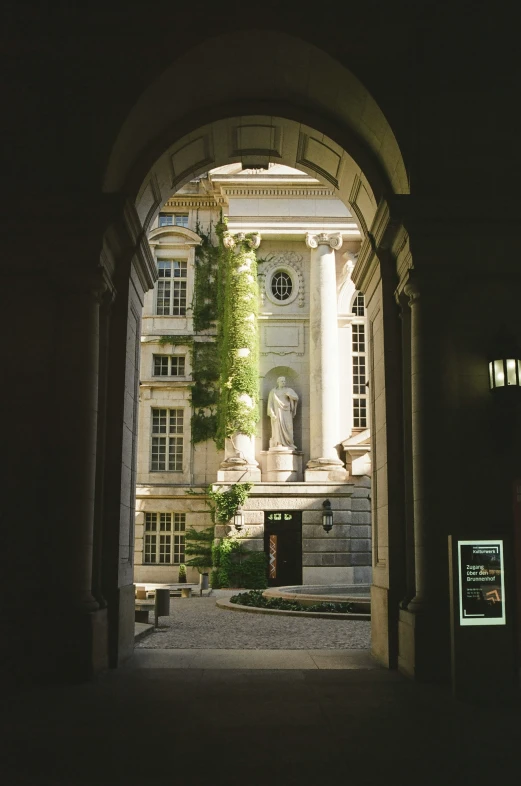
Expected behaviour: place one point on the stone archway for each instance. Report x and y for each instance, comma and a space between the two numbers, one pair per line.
317, 118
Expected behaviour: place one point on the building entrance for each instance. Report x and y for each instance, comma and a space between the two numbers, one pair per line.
283, 546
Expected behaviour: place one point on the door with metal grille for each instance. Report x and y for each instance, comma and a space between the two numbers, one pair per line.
283, 546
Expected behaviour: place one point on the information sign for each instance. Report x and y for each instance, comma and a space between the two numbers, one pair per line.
481, 582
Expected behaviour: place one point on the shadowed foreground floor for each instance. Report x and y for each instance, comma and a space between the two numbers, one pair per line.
150, 723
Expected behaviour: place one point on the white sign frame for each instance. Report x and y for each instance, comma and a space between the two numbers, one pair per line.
481, 619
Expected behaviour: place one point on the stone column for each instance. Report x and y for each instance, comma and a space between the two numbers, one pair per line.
418, 405
104, 343
324, 464
77, 373
239, 463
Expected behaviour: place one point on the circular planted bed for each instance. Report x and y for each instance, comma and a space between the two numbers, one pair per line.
304, 601
358, 595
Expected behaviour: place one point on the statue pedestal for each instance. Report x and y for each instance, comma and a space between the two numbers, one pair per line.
283, 465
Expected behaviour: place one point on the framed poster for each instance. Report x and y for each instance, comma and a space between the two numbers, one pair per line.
481, 582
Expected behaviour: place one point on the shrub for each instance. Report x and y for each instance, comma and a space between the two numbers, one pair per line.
236, 566
257, 599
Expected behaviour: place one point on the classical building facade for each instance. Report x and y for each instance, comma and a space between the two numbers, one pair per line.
312, 335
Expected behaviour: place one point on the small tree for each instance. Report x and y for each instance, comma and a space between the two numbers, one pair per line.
198, 546
182, 574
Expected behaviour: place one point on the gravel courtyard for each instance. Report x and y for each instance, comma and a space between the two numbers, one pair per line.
197, 623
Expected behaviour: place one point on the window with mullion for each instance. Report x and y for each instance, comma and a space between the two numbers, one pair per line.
167, 450
161, 546
359, 305
171, 287
169, 365
359, 374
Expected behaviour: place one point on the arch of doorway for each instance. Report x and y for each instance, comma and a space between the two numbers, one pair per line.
167, 137
338, 136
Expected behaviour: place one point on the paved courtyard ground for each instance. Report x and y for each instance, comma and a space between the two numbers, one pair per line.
197, 623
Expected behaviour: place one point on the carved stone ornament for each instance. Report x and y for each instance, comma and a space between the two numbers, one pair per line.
323, 238
230, 241
412, 291
254, 241
285, 260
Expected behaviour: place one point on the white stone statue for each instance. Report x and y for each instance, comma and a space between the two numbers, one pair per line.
282, 408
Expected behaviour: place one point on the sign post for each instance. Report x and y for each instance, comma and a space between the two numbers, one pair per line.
482, 653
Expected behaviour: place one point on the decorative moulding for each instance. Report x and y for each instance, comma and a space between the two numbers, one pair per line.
290, 262
192, 202
282, 338
278, 191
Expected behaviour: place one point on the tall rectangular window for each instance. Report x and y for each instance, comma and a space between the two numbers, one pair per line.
164, 543
359, 377
167, 440
169, 365
171, 288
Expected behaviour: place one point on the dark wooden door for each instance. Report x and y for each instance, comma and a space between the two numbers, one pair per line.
283, 546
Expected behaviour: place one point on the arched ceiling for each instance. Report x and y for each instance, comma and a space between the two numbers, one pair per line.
224, 102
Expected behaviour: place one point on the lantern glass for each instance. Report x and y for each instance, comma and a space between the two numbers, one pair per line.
491, 374
511, 372
238, 519
499, 374
327, 516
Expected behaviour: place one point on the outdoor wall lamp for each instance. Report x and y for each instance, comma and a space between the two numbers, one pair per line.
327, 516
238, 519
505, 369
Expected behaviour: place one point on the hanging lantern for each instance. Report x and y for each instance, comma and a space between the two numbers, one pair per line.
504, 370
238, 519
327, 516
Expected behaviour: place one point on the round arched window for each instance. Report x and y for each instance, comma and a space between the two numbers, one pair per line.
281, 285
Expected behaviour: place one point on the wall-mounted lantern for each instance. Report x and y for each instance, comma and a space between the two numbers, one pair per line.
238, 519
327, 516
504, 370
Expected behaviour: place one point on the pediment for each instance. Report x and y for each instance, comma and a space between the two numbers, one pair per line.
173, 235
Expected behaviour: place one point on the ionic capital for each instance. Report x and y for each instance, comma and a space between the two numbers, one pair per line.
412, 290
252, 240
324, 239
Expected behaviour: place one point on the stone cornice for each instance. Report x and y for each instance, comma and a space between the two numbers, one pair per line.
193, 201
280, 192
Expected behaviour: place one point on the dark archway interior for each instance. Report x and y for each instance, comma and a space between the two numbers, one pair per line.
397, 111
